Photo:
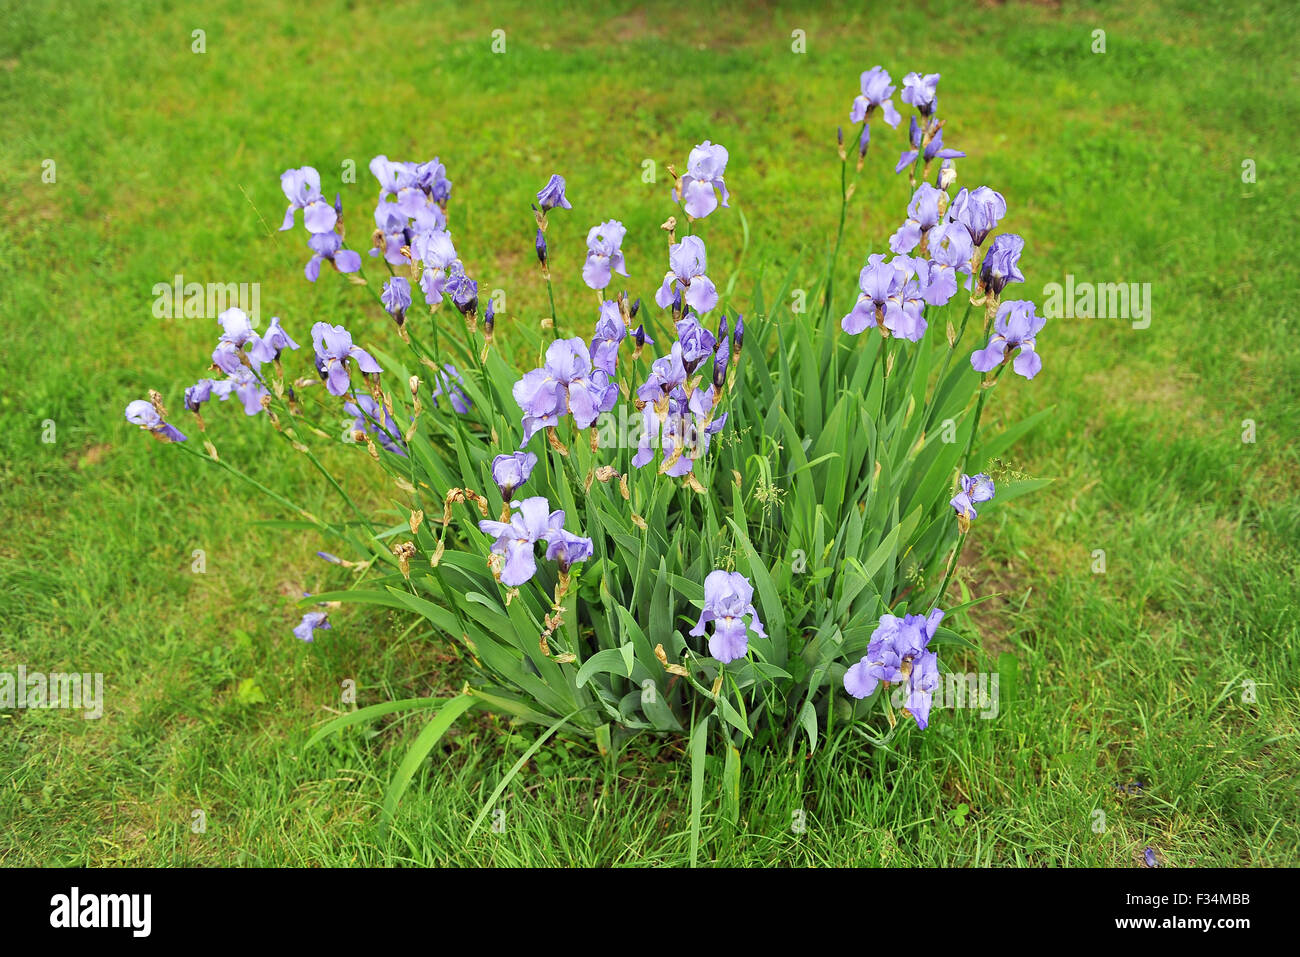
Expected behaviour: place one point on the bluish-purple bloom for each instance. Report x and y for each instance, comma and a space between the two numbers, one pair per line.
898, 652
552, 194
666, 374
603, 254
435, 250
511, 471
302, 188
244, 385
978, 210
1001, 263
974, 490
949, 245
197, 394
567, 383
936, 284
922, 216
728, 598
237, 332
877, 282
142, 413
311, 621
611, 330
334, 352
682, 425
697, 342
890, 296
531, 521
922, 92
687, 263
396, 297
567, 549
414, 188
703, 180
876, 92
462, 289
1015, 327
328, 247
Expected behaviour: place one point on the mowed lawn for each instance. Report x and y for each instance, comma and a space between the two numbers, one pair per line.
1165, 160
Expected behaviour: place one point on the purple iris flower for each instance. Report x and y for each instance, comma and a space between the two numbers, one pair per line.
950, 246
567, 549
973, 491
666, 374
435, 250
567, 383
142, 413
922, 92
936, 284
1015, 327
683, 427
922, 216
903, 311
373, 418
462, 289
878, 282
531, 521
434, 175
540, 246
413, 187
311, 621
697, 342
328, 247
396, 297
876, 92
302, 188
236, 327
979, 211
728, 598
267, 348
603, 254
442, 383
245, 386
687, 263
197, 394
237, 331
611, 330
1001, 263
511, 471
334, 348
552, 194
897, 652
704, 170
921, 684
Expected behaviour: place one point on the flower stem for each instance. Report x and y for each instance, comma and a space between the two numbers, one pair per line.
952, 567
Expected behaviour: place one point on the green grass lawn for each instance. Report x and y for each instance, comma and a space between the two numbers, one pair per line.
1122, 166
